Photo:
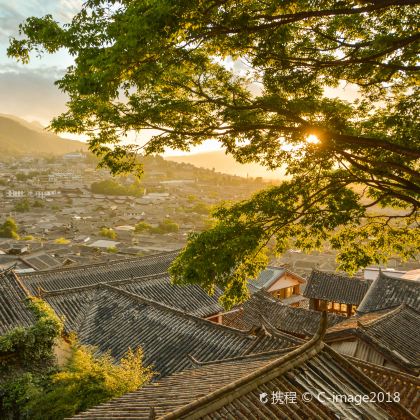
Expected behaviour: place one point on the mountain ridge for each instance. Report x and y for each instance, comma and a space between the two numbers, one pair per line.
19, 137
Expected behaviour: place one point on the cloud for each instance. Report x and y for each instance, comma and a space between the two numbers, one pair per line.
31, 93
14, 13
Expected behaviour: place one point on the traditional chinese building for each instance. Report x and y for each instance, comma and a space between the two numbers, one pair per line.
337, 293
280, 283
299, 383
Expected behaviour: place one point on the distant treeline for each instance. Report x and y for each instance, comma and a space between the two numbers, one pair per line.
111, 187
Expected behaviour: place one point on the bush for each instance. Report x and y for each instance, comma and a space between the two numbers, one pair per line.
111, 187
166, 226
62, 241
38, 203
22, 206
108, 233
9, 229
142, 227
33, 387
86, 381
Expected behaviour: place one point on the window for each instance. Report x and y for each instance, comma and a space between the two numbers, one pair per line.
284, 293
339, 308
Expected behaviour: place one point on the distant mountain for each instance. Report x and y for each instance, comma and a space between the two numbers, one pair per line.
19, 137
227, 164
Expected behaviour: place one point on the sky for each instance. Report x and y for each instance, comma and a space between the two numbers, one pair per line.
28, 91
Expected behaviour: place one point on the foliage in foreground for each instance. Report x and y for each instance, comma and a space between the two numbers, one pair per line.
266, 80
34, 387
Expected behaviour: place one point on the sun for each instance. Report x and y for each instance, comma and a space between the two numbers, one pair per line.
312, 138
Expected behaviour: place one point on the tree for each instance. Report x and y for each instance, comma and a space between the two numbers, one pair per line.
111, 187
165, 226
32, 386
86, 381
22, 205
9, 229
108, 233
141, 227
261, 78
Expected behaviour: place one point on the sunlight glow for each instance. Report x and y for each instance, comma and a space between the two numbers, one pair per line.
312, 138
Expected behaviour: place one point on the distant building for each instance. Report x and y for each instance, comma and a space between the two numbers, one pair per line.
280, 283
103, 243
15, 193
71, 156
372, 273
337, 293
39, 193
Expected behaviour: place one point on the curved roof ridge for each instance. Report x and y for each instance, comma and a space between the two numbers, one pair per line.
242, 357
395, 310
337, 274
111, 282
175, 310
368, 303
241, 386
98, 264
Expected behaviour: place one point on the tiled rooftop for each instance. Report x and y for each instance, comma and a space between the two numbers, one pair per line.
388, 292
113, 319
336, 288
67, 278
13, 310
395, 334
233, 389
262, 308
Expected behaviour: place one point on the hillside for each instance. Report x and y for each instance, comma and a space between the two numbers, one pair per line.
18, 137
226, 164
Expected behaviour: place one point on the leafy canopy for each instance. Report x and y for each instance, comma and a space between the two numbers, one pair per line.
33, 386
9, 229
261, 78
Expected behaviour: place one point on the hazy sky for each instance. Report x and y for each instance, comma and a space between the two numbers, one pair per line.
28, 91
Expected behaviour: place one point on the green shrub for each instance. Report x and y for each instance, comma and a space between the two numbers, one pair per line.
9, 229
108, 233
142, 227
22, 206
62, 241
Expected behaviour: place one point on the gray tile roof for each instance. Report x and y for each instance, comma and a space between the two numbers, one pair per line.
113, 319
388, 292
335, 288
261, 307
13, 310
70, 277
191, 299
267, 277
392, 381
187, 298
41, 261
395, 334
231, 389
